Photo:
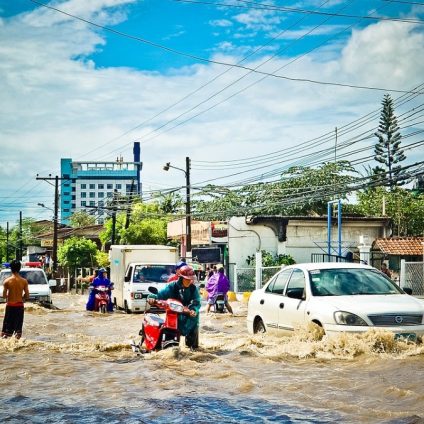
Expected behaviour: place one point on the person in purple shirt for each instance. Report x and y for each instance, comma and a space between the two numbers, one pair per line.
218, 283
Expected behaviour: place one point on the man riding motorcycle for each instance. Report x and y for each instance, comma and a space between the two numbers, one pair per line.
218, 283
100, 280
187, 293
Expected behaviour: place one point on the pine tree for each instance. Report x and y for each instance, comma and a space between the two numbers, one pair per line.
387, 150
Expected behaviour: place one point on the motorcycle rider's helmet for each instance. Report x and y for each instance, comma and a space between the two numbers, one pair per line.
187, 272
178, 266
100, 271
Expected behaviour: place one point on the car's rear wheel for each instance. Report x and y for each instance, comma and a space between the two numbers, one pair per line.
259, 326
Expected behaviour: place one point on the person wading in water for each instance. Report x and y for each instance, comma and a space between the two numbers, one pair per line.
13, 289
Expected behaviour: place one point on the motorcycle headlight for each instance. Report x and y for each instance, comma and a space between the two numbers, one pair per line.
347, 318
176, 307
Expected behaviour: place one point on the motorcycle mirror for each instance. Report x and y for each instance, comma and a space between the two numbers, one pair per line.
153, 290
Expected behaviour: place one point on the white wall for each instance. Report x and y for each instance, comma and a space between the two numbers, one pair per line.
302, 238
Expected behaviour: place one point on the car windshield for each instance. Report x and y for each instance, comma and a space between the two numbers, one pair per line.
350, 281
153, 273
33, 276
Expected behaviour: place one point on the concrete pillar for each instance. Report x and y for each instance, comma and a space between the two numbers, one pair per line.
258, 270
235, 280
364, 254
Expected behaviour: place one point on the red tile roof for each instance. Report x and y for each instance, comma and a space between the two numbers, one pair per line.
404, 246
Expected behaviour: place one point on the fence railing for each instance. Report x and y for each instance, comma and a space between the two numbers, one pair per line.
412, 276
245, 279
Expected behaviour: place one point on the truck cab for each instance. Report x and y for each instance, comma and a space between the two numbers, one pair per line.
138, 278
134, 268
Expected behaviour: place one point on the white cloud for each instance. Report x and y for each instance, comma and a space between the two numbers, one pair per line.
258, 20
221, 23
56, 106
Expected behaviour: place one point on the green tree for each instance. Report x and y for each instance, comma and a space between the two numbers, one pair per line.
405, 208
81, 219
147, 225
300, 191
102, 259
387, 150
77, 253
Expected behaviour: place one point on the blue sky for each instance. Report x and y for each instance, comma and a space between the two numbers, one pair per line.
71, 89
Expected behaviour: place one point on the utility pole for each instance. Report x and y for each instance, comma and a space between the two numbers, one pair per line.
7, 242
114, 216
20, 236
56, 215
188, 206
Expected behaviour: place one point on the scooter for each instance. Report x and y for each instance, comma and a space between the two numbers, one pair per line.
159, 333
220, 303
101, 298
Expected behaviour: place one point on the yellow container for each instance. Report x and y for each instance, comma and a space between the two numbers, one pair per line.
246, 296
231, 296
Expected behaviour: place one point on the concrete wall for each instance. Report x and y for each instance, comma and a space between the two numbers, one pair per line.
302, 238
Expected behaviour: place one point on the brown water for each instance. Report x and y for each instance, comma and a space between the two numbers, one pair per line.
74, 366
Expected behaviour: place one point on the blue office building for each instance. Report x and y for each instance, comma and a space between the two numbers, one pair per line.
90, 186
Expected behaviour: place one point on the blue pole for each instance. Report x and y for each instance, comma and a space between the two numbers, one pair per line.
329, 229
339, 225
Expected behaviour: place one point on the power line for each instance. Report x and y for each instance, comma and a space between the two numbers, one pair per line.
202, 59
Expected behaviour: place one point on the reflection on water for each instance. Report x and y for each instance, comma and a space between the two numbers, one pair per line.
173, 410
77, 367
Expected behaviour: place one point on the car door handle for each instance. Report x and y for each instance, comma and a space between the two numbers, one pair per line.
281, 305
262, 302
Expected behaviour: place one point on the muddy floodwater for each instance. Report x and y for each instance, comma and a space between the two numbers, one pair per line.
73, 366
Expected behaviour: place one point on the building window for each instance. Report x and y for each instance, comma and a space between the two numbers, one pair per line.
73, 197
83, 194
100, 213
101, 186
65, 210
92, 194
83, 186
109, 186
100, 221
100, 203
66, 193
100, 194
92, 186
110, 194
92, 203
73, 189
66, 202
83, 203
73, 206
66, 185
118, 186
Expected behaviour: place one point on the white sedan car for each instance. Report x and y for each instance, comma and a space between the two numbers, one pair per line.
339, 297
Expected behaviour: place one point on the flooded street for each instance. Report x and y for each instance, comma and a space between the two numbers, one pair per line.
73, 366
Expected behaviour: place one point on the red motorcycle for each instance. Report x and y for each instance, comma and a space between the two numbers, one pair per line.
101, 298
159, 333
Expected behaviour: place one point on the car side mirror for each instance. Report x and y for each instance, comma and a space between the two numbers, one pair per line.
407, 290
127, 278
153, 290
52, 283
297, 293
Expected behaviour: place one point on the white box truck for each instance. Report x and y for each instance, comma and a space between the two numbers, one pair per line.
133, 268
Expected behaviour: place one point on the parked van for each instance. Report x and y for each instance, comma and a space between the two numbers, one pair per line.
133, 268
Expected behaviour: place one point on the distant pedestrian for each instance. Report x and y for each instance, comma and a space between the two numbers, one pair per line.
385, 270
15, 291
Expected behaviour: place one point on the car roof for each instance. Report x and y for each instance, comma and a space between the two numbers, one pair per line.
328, 265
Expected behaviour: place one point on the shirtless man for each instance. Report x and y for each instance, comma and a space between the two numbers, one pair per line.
13, 289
